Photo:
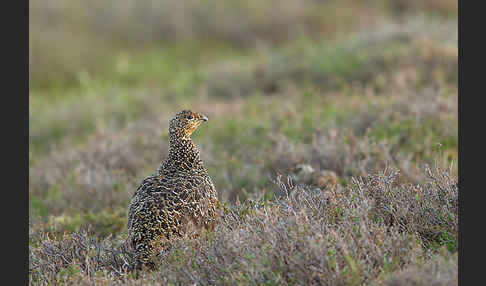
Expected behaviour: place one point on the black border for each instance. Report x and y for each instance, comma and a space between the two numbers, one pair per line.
15, 126
460, 143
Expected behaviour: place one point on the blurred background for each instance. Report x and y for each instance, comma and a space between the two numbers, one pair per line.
321, 91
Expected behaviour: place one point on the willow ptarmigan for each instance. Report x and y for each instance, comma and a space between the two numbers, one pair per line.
178, 199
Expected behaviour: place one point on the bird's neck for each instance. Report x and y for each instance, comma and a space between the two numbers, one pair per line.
183, 156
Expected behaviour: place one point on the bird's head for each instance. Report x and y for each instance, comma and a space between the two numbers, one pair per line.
185, 123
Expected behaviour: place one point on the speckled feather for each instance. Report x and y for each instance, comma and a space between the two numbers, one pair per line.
178, 199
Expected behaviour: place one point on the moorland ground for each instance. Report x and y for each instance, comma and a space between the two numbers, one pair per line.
332, 139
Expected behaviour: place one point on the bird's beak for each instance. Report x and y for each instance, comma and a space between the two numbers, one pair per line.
203, 118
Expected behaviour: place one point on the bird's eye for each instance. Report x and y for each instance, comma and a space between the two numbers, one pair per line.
189, 117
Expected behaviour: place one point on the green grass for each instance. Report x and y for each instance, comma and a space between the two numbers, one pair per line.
163, 72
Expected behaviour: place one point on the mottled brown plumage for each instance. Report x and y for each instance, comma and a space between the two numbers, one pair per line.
178, 199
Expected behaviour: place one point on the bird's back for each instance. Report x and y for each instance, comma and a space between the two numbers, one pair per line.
178, 198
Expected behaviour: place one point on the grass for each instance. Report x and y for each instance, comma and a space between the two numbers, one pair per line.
347, 236
334, 154
93, 35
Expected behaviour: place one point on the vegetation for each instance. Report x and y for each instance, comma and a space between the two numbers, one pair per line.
332, 138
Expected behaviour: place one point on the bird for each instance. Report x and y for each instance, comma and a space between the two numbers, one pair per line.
178, 199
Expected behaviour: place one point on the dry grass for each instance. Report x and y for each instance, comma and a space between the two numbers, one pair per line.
440, 271
339, 236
